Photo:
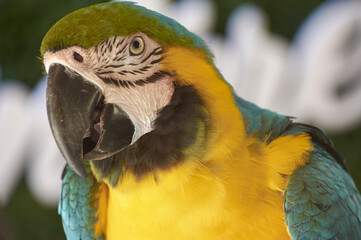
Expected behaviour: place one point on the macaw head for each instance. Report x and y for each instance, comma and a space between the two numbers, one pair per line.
123, 79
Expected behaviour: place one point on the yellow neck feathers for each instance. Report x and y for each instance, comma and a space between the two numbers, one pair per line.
234, 191
192, 68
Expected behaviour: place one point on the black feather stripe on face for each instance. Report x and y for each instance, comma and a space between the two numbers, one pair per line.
151, 79
175, 130
112, 61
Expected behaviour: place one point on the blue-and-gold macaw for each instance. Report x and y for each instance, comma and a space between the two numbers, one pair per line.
159, 146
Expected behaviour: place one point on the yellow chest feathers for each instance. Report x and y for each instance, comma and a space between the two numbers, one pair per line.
237, 197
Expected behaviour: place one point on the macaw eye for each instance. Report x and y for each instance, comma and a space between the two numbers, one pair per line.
136, 46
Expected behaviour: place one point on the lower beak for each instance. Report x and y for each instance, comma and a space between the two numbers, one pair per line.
84, 127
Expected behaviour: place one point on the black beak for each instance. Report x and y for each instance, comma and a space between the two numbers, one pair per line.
84, 127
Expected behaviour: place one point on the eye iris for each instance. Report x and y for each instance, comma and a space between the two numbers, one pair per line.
137, 46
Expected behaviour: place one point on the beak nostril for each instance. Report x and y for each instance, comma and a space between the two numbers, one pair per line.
78, 57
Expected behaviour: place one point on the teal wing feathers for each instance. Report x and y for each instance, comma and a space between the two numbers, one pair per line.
266, 124
76, 206
321, 200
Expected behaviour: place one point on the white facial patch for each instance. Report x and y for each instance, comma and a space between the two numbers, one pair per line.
142, 103
134, 82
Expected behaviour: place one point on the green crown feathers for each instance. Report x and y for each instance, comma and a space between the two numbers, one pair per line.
88, 26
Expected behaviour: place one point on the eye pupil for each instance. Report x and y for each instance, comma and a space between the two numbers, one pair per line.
78, 57
136, 44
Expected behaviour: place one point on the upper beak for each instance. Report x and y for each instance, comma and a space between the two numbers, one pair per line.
84, 127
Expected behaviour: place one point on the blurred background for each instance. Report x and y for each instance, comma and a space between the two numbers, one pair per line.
299, 58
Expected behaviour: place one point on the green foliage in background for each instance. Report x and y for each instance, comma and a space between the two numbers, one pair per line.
29, 219
23, 23
285, 16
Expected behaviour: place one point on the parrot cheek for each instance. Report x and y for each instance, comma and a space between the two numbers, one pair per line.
84, 127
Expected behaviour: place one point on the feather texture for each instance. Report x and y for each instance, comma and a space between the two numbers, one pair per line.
321, 200
117, 19
77, 206
214, 167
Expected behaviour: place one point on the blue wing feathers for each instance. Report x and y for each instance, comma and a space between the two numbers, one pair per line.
76, 206
325, 192
321, 200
